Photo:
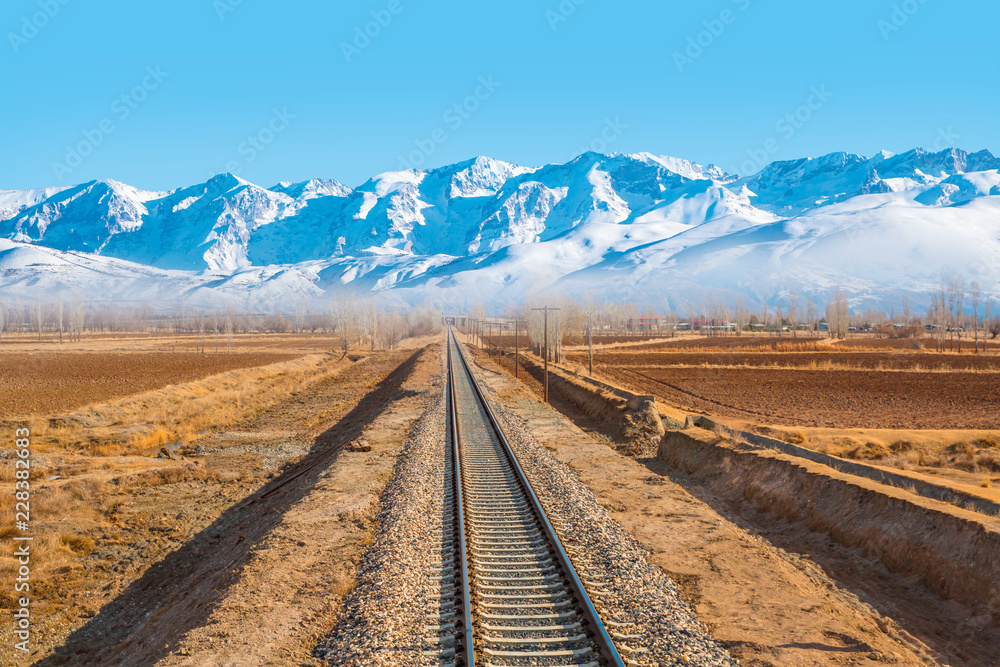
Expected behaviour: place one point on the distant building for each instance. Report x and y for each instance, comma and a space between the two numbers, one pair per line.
647, 323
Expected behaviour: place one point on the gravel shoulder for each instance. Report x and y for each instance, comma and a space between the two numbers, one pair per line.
767, 606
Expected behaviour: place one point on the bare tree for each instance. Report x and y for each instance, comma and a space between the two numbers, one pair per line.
838, 315
954, 286
591, 313
59, 317
300, 317
39, 318
940, 310
959, 288
742, 316
793, 315
345, 322
992, 323
975, 296
391, 329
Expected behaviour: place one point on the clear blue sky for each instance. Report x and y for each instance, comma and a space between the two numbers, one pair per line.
902, 74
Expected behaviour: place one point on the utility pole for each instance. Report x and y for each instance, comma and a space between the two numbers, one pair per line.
546, 309
590, 342
515, 347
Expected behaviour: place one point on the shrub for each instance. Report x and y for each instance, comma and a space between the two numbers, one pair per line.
78, 543
989, 461
869, 451
901, 446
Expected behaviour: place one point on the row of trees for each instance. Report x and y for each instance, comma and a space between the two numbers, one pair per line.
947, 321
357, 323
360, 323
949, 316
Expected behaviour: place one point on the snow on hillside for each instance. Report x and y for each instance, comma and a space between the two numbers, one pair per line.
632, 227
13, 202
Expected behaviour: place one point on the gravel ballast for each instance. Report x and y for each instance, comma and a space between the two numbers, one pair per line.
385, 617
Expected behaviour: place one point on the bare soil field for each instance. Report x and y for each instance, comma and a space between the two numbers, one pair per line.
611, 339
736, 343
507, 340
48, 383
304, 343
834, 398
925, 343
887, 361
253, 529
801, 343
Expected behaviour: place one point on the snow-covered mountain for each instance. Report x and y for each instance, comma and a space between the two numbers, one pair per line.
640, 227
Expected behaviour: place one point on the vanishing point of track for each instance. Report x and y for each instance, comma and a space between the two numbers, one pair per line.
509, 594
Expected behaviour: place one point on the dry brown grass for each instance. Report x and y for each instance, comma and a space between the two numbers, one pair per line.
180, 413
794, 437
80, 544
968, 456
73, 450
307, 343
172, 475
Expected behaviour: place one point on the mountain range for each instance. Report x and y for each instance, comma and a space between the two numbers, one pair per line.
643, 228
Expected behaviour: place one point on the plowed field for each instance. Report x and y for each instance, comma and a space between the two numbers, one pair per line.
50, 383
919, 361
828, 398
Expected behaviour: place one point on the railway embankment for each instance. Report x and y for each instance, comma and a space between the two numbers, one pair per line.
635, 421
953, 550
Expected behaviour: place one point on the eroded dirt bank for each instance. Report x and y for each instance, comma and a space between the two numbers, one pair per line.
952, 550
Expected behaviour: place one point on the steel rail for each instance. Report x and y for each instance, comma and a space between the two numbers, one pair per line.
599, 635
468, 645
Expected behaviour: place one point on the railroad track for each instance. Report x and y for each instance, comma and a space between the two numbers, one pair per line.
506, 592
